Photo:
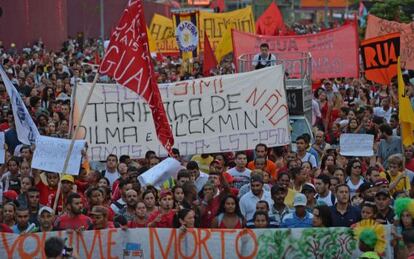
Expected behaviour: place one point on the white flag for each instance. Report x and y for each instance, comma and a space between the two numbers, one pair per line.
26, 129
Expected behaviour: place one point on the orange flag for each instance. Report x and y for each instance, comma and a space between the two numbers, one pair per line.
210, 61
380, 56
270, 22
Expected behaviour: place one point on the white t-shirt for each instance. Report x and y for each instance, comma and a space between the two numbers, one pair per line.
379, 112
310, 158
326, 200
239, 178
112, 177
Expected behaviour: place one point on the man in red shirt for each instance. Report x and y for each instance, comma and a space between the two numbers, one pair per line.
46, 191
164, 217
73, 219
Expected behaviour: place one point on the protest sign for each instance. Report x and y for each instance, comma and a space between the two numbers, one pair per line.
2, 149
380, 56
50, 155
166, 46
334, 52
215, 114
356, 144
216, 24
161, 27
378, 27
160, 173
195, 243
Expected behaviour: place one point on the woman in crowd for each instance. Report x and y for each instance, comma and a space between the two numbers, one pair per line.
355, 179
229, 214
321, 217
150, 201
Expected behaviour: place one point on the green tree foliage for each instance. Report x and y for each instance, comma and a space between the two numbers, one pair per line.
394, 10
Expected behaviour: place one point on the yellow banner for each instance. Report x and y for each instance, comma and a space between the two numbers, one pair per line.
216, 24
165, 46
406, 112
161, 27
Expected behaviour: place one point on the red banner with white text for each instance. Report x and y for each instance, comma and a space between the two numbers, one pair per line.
334, 52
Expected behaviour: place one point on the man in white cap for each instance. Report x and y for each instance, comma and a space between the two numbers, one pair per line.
300, 218
46, 218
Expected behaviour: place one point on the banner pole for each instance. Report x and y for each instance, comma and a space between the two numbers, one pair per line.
65, 166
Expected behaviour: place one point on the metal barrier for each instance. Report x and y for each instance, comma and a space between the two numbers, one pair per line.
298, 65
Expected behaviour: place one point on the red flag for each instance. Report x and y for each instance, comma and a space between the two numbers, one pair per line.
210, 61
220, 4
270, 22
128, 61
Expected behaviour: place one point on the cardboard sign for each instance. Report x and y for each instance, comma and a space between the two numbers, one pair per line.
50, 155
208, 115
356, 144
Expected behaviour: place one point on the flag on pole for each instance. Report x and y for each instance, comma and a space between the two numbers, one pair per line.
25, 127
380, 57
406, 112
225, 46
210, 61
270, 22
128, 61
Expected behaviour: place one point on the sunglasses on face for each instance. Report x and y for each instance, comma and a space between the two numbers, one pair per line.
356, 166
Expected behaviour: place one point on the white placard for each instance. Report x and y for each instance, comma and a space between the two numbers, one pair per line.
50, 155
160, 173
356, 144
2, 150
224, 113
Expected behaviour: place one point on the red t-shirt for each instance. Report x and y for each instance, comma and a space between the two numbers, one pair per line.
210, 212
167, 219
4, 228
46, 193
67, 222
133, 224
110, 224
410, 165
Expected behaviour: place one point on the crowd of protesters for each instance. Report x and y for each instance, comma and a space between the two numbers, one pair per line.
313, 186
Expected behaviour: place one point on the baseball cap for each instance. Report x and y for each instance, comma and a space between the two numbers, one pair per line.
10, 194
308, 187
67, 177
383, 192
299, 200
47, 209
365, 186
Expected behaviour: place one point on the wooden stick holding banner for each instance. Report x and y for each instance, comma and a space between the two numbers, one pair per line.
65, 166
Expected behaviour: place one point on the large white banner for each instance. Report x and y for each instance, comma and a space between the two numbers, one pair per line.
166, 243
215, 114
